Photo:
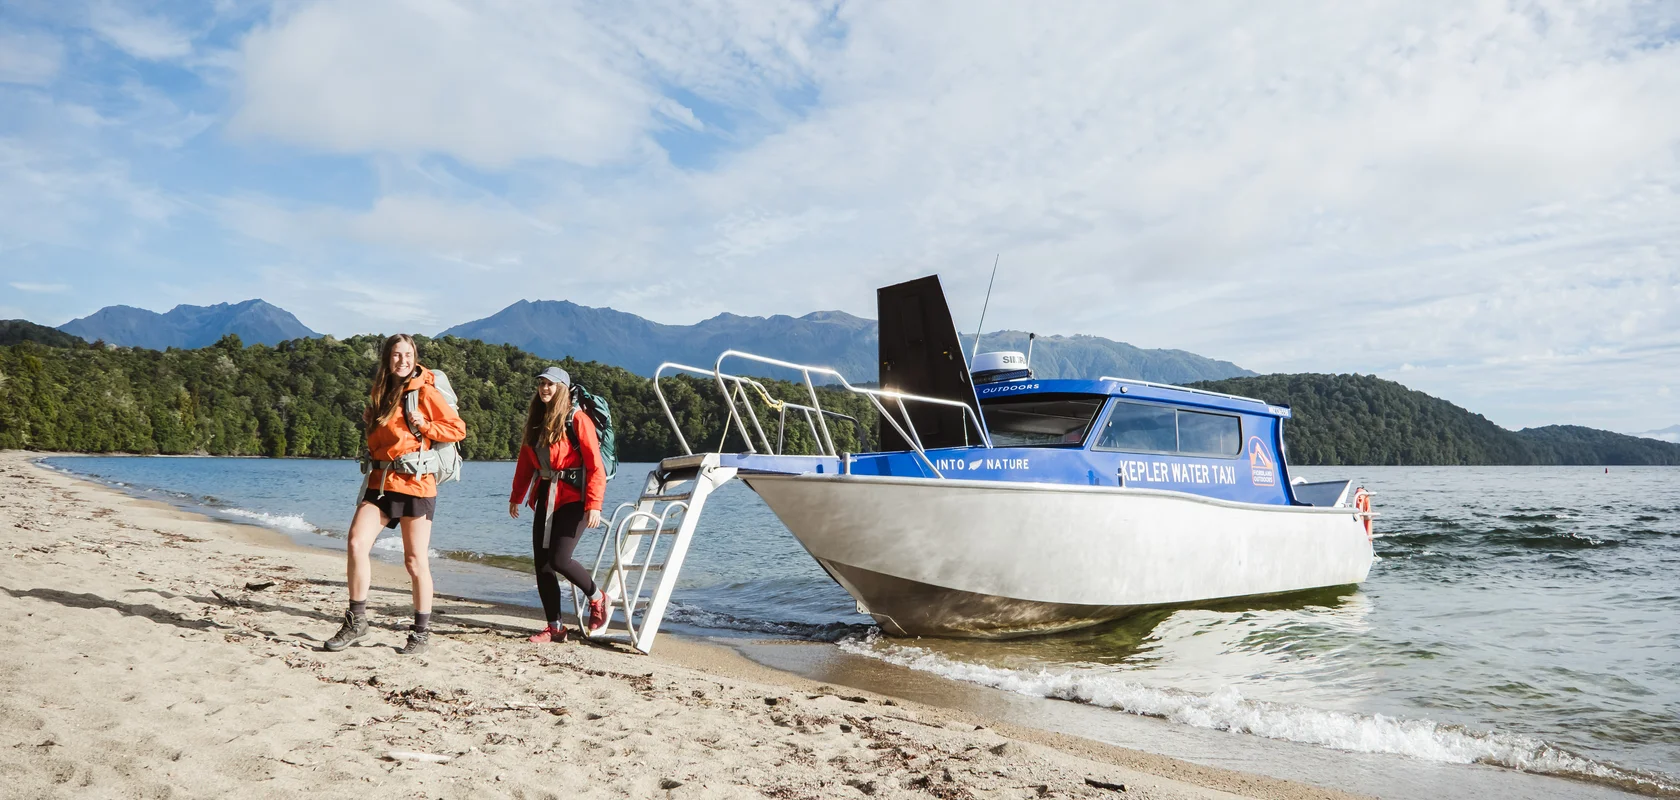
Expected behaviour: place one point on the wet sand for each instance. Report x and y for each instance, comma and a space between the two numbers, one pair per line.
151, 652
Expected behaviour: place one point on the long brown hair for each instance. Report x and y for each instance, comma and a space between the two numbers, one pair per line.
386, 399
545, 423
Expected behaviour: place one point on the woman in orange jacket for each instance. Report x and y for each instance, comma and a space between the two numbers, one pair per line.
394, 494
570, 485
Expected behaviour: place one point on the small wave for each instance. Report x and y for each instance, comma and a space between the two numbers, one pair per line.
1228, 710
1546, 537
394, 544
286, 522
718, 620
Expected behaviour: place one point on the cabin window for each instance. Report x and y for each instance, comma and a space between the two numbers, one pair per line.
1040, 420
1203, 434
1134, 426
1158, 429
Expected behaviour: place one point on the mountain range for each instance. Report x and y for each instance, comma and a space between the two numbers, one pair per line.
558, 329
189, 327
1668, 434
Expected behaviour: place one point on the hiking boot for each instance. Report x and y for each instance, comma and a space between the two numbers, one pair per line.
354, 627
599, 613
549, 634
418, 642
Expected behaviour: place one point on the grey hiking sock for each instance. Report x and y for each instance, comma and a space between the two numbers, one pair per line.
422, 622
358, 607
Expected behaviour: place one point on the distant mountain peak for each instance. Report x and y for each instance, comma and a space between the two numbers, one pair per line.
1668, 434
833, 339
255, 321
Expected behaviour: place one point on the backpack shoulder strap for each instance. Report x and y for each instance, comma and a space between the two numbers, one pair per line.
410, 407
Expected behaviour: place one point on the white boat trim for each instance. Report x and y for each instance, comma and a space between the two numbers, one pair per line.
951, 557
1059, 488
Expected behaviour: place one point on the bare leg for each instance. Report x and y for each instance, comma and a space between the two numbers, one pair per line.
358, 571
417, 539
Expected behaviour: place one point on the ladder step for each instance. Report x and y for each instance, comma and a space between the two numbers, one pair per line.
650, 567
666, 531
669, 498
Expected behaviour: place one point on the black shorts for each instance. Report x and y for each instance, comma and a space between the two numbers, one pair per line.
396, 506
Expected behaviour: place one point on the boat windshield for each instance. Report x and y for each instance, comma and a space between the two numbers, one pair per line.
1040, 420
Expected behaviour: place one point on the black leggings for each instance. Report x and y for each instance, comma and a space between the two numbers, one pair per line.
556, 559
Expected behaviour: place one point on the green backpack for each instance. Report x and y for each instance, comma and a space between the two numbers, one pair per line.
601, 414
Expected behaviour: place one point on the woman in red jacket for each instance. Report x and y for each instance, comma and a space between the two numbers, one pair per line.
394, 494
570, 485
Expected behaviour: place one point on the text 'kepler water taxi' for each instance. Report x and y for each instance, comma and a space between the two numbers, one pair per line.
999, 504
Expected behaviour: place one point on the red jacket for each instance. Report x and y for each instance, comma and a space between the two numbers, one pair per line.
562, 456
392, 440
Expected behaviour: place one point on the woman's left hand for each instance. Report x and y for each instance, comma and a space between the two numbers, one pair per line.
592, 519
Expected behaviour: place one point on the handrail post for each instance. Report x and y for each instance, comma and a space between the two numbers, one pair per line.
829, 440
813, 426
669, 417
746, 402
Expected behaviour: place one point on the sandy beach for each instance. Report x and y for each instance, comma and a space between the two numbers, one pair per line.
153, 653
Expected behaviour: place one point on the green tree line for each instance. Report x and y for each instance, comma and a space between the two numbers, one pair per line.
305, 398
1363, 419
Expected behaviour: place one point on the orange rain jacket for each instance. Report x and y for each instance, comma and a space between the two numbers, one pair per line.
392, 440
562, 456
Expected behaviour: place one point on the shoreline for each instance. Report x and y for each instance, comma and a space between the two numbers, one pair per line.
165, 613
778, 659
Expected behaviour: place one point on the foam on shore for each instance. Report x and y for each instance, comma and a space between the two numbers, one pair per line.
1228, 710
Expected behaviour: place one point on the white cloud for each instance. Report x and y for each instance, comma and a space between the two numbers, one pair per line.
141, 35
398, 222
1484, 197
494, 85
29, 58
394, 303
24, 286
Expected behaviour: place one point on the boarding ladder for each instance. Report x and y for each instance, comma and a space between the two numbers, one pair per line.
645, 543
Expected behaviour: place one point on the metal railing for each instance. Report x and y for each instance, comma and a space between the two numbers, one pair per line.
782, 407
734, 389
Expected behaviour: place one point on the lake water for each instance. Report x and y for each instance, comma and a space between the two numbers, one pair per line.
1519, 617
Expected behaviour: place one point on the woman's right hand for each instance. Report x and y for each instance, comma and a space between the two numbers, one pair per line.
513, 510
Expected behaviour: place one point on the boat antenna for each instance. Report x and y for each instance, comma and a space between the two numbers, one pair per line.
1030, 338
983, 306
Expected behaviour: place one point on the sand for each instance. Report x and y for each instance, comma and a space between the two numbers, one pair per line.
148, 652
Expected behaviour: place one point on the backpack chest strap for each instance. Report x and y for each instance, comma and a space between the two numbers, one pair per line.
545, 466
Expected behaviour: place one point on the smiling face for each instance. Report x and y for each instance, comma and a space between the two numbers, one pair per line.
402, 359
547, 390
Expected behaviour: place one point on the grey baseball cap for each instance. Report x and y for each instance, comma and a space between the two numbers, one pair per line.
555, 375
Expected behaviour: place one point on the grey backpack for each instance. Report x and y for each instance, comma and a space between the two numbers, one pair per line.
444, 458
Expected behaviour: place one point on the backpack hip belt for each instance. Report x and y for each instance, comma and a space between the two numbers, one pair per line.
573, 476
419, 462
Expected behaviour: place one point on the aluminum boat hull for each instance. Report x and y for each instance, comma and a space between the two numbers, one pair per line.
929, 557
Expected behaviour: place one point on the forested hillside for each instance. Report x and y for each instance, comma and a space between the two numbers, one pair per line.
1363, 419
15, 331
304, 397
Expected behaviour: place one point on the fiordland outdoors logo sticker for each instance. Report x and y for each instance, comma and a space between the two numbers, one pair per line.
1260, 465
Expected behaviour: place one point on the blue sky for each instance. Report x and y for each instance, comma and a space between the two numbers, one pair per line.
1480, 200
